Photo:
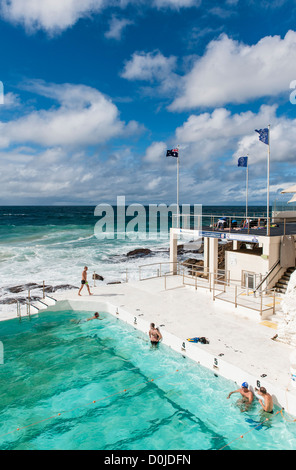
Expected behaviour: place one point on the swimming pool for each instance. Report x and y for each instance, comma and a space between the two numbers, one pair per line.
99, 385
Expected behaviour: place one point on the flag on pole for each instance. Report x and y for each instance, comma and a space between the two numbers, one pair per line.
263, 135
242, 161
173, 153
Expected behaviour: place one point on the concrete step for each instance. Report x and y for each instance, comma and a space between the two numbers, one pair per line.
280, 290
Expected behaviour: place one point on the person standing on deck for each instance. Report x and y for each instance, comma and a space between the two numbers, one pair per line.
84, 281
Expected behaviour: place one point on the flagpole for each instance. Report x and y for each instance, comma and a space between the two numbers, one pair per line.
247, 184
268, 165
178, 188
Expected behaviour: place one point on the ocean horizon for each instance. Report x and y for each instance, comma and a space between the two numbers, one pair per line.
52, 244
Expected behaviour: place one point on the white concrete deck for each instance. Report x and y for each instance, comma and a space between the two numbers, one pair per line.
240, 345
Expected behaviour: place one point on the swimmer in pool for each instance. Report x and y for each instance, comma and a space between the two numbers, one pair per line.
267, 403
247, 396
96, 316
154, 335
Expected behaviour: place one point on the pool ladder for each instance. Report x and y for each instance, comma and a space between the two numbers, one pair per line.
29, 304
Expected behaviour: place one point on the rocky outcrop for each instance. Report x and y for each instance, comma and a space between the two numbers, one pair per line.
139, 252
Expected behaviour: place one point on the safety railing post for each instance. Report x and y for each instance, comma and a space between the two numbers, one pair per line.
29, 303
18, 310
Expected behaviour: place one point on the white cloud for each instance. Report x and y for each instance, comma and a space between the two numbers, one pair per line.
232, 72
10, 100
84, 116
177, 3
155, 152
50, 15
212, 143
54, 16
116, 28
148, 66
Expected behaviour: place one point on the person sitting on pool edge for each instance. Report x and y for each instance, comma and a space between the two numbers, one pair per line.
267, 404
247, 395
154, 335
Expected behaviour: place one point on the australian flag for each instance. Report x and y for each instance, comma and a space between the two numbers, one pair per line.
263, 135
172, 153
242, 161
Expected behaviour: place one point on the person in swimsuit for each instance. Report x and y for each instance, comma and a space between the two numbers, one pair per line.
95, 317
247, 396
267, 403
154, 335
84, 281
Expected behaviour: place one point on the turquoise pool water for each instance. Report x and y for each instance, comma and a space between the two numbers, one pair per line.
54, 368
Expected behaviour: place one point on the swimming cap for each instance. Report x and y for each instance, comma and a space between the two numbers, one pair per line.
245, 385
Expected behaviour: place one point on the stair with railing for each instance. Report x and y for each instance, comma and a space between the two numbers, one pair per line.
282, 283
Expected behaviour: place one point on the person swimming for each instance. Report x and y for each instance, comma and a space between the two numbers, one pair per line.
96, 316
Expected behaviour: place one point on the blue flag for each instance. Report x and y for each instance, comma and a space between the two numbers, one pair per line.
263, 135
242, 161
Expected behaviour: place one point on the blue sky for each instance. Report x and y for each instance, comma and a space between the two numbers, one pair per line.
95, 91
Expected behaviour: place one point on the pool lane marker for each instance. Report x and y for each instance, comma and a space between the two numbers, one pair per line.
87, 404
255, 427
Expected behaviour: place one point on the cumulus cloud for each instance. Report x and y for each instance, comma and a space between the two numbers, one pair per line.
233, 72
148, 66
50, 15
54, 16
83, 116
177, 3
116, 27
155, 152
209, 136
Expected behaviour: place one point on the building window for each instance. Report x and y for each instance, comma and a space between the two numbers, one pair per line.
249, 280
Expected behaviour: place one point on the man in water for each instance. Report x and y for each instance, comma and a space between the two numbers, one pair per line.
267, 403
154, 335
95, 317
247, 395
84, 281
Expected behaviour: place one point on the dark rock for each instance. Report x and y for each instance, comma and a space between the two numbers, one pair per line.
139, 252
97, 277
23, 287
64, 287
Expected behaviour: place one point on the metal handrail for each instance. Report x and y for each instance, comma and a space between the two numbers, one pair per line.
266, 276
159, 274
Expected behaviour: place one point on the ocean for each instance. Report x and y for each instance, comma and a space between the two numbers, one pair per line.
52, 244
